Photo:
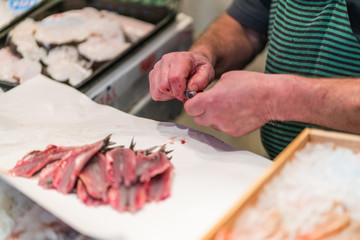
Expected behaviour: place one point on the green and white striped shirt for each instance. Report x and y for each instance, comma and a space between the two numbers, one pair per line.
307, 38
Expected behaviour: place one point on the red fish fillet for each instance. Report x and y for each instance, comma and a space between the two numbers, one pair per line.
84, 196
160, 186
66, 173
46, 175
93, 176
35, 160
120, 166
148, 166
130, 199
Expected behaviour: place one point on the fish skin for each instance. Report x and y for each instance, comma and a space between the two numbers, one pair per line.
36, 160
67, 172
137, 196
84, 196
148, 166
46, 175
130, 199
93, 176
117, 197
120, 166
160, 186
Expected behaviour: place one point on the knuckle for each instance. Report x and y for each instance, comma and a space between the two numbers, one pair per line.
163, 86
167, 56
174, 79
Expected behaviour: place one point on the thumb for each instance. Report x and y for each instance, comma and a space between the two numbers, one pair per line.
203, 76
195, 106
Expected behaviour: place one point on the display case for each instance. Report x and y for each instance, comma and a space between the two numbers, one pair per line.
123, 81
338, 221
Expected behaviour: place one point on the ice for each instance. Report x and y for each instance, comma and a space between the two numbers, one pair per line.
322, 181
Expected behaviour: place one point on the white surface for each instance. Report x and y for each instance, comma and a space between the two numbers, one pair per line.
209, 176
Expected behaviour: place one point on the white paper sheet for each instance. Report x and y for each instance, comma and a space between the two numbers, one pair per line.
209, 176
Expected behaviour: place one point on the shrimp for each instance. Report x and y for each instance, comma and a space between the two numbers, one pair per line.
336, 220
350, 233
268, 227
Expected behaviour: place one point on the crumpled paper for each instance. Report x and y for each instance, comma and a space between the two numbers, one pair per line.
209, 176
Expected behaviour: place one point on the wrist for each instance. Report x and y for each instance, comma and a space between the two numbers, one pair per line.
205, 52
289, 97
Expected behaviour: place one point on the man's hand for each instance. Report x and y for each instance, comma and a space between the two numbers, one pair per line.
239, 103
177, 71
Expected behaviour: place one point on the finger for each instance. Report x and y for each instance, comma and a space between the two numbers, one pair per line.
201, 78
203, 120
196, 106
217, 128
159, 90
177, 78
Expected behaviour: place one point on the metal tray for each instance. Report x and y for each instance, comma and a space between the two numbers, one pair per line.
160, 16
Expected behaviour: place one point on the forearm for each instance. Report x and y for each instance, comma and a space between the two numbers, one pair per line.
332, 103
228, 45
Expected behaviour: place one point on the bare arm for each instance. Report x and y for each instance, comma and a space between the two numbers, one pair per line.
333, 103
228, 45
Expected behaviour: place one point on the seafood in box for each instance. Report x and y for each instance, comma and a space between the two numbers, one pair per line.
122, 177
68, 46
310, 193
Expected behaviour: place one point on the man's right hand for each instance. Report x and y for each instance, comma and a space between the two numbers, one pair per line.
177, 71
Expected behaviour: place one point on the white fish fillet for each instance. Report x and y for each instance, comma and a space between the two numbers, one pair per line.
99, 49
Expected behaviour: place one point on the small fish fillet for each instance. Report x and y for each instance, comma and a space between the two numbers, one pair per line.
66, 173
120, 166
93, 176
36, 160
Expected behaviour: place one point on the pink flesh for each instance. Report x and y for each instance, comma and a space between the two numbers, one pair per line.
65, 175
35, 160
130, 199
137, 196
120, 166
160, 186
93, 176
46, 175
151, 165
117, 197
84, 196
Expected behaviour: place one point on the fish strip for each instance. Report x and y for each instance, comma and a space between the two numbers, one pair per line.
46, 175
148, 166
120, 166
117, 197
93, 176
137, 196
66, 173
130, 199
84, 196
160, 186
36, 160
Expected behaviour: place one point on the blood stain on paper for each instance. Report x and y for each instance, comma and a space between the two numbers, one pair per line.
173, 139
